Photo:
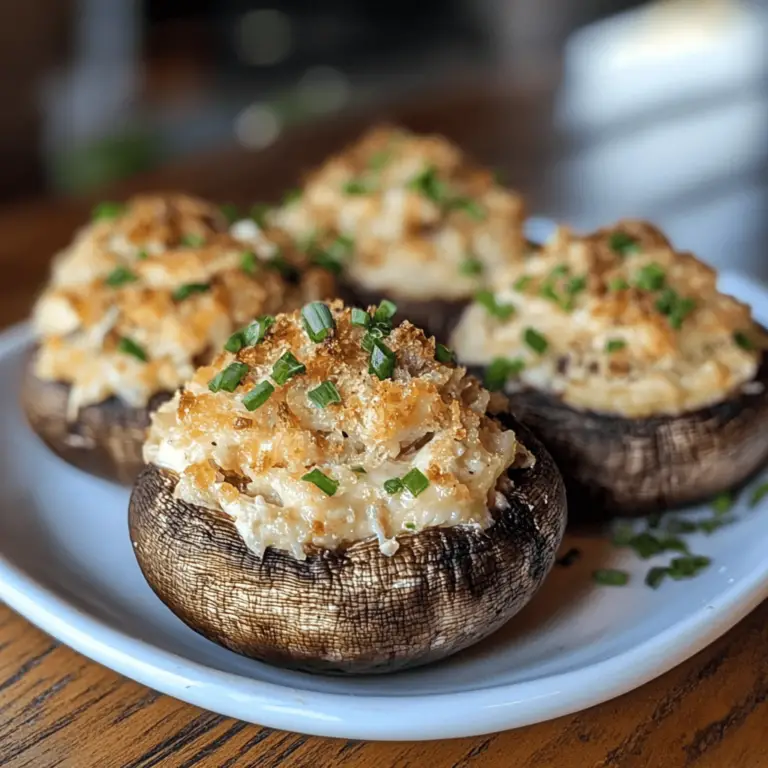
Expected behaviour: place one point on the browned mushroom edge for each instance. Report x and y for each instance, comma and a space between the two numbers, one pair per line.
106, 438
618, 466
356, 610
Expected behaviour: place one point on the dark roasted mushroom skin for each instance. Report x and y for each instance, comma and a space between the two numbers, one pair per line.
354, 610
620, 466
105, 439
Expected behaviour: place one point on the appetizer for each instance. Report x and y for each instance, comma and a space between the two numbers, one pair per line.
334, 493
644, 381
408, 217
145, 293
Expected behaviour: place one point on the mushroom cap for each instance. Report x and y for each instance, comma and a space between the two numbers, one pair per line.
354, 610
104, 440
614, 465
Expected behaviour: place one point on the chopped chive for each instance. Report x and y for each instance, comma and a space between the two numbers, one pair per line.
286, 368
185, 291
235, 342
292, 196
646, 545
522, 282
674, 544
229, 379
614, 345
560, 271
500, 370
318, 320
324, 395
333, 256
129, 347
230, 212
676, 308
444, 355
385, 311
576, 284
382, 362
393, 485
427, 184
379, 159
651, 277
374, 332
713, 524
623, 243
678, 525
192, 241
618, 284
120, 276
610, 577
410, 526
535, 340
723, 503
360, 318
469, 206
259, 214
142, 254
488, 300
656, 576
107, 210
758, 494
359, 470
357, 187
687, 567
742, 340
622, 535
258, 395
326, 484
255, 333
471, 266
248, 262
416, 482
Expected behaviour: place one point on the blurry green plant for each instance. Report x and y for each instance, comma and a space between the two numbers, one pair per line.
93, 164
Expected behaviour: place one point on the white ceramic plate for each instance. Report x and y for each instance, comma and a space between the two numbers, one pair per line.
66, 564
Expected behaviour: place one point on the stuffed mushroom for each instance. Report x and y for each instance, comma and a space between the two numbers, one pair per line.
337, 495
408, 217
145, 293
646, 383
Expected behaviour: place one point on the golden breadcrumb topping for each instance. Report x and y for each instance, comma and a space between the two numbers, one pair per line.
616, 322
148, 290
307, 442
407, 215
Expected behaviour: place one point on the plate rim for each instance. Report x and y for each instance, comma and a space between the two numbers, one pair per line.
358, 716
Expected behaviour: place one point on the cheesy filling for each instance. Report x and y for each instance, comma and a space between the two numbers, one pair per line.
251, 459
616, 322
145, 293
408, 205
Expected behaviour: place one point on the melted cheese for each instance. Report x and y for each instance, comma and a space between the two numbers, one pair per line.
165, 242
631, 326
250, 464
452, 241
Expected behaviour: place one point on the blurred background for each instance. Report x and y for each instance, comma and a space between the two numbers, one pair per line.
597, 108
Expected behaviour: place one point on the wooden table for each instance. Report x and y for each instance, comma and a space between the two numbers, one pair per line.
59, 709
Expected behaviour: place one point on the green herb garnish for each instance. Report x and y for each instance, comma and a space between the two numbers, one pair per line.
742, 340
192, 241
723, 503
618, 284
416, 482
522, 282
292, 196
535, 340
427, 184
471, 207
687, 567
393, 485
286, 368
623, 243
614, 345
656, 576
185, 291
444, 355
360, 318
255, 333
488, 300
229, 379
120, 276
357, 187
758, 494
249, 262
500, 370
334, 255
382, 362
471, 266
385, 311
142, 254
326, 484
651, 277
129, 347
318, 321
610, 577
258, 395
324, 395
107, 210
230, 212
379, 159
409, 526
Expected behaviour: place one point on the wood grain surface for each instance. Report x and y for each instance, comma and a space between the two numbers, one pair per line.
59, 709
